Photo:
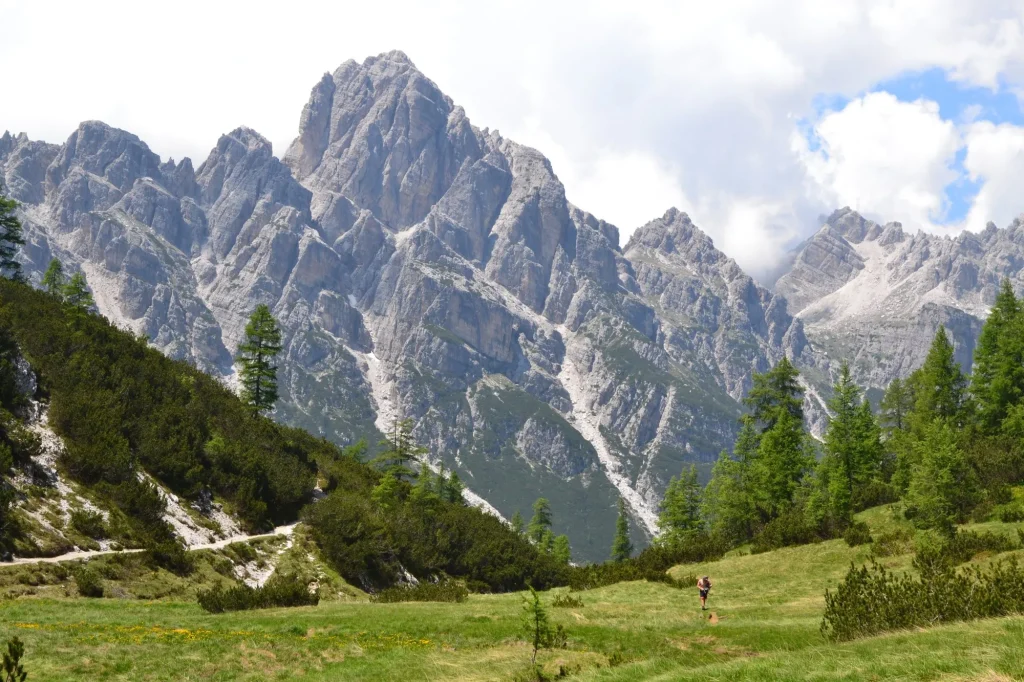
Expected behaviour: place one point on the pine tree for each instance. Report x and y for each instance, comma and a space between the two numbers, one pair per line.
541, 521
728, 506
783, 457
561, 551
256, 357
943, 485
76, 294
853, 450
940, 388
400, 451
517, 523
426, 487
536, 624
774, 392
896, 405
680, 509
547, 542
10, 238
54, 280
622, 548
998, 379
453, 489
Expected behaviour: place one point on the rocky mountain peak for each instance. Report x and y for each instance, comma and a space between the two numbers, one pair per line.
115, 155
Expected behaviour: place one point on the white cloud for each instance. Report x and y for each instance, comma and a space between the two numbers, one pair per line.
995, 156
651, 102
884, 157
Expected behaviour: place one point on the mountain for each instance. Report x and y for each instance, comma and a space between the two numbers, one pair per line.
876, 295
422, 267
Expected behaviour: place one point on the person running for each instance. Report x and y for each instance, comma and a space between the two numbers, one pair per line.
704, 585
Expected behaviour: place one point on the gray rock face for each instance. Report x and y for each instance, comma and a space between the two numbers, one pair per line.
423, 268
876, 296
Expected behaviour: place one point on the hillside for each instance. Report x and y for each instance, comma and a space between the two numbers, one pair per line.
763, 623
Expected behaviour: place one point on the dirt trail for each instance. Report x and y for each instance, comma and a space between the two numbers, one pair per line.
88, 554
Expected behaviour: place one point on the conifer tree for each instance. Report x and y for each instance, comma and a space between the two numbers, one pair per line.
400, 451
10, 238
561, 551
453, 489
774, 392
680, 516
547, 542
517, 523
541, 521
427, 484
940, 388
76, 294
896, 405
256, 357
54, 280
853, 450
783, 457
728, 506
622, 548
998, 379
943, 484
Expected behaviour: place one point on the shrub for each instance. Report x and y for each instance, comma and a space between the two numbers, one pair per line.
873, 600
961, 548
12, 668
857, 534
88, 582
651, 564
445, 591
893, 543
172, 555
786, 530
567, 601
1011, 514
89, 523
279, 591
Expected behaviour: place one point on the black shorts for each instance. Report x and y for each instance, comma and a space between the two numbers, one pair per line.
704, 593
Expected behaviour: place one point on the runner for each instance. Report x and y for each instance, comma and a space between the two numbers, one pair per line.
704, 585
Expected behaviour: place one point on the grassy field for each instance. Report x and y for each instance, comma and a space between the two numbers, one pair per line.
765, 611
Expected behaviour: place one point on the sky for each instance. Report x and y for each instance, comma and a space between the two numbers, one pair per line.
756, 117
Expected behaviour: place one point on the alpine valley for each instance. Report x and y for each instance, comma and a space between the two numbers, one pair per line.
424, 268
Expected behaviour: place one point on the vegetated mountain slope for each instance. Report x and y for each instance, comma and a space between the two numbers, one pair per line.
425, 268
875, 295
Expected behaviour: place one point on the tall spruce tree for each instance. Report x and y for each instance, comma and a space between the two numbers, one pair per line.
852, 447
11, 238
54, 280
517, 523
998, 379
728, 506
943, 485
400, 452
76, 294
541, 521
783, 457
256, 359
897, 403
622, 548
940, 388
561, 550
680, 516
774, 392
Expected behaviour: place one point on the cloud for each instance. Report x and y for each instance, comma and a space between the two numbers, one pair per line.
995, 156
884, 157
650, 102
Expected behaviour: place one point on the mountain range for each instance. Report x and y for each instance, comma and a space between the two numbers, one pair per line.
424, 268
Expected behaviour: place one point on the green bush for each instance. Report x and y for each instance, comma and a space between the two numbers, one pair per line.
567, 601
1011, 514
89, 523
88, 582
786, 530
893, 543
444, 591
873, 600
961, 548
858, 533
279, 591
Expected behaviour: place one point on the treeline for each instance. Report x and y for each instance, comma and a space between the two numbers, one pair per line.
945, 444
